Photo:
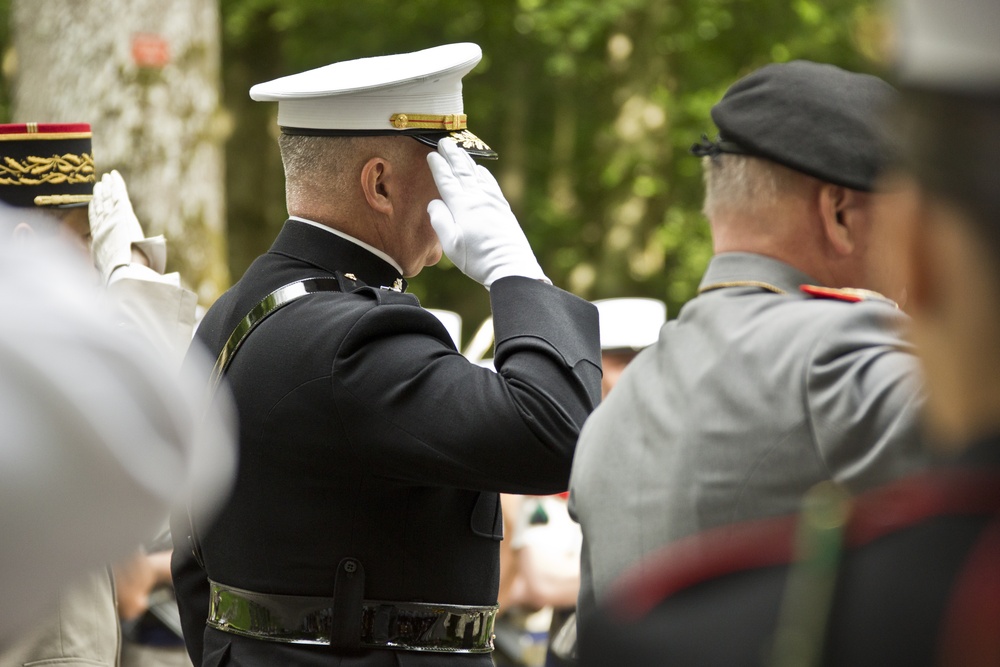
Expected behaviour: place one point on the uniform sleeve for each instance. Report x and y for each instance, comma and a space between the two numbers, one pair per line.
425, 414
864, 394
157, 306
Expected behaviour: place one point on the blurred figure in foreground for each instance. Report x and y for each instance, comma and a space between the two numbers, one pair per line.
99, 439
48, 178
910, 573
157, 307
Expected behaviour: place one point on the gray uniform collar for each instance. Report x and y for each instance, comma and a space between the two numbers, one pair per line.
747, 269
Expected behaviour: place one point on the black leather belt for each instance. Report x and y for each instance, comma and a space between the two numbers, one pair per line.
408, 626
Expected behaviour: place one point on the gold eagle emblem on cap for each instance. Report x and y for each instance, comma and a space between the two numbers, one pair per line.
468, 140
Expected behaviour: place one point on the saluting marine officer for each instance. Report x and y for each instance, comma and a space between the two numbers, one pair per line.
908, 574
773, 378
365, 522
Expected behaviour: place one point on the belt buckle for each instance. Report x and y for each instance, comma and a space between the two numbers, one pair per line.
408, 626
421, 626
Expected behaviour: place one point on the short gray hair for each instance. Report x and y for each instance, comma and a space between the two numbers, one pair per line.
744, 183
327, 166
312, 163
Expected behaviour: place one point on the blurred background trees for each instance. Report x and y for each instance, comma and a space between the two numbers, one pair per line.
591, 104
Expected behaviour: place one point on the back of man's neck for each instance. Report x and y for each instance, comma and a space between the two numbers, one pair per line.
353, 239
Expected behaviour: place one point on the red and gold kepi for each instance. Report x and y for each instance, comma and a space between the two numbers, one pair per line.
46, 164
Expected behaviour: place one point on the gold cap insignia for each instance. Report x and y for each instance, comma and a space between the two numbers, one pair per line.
406, 121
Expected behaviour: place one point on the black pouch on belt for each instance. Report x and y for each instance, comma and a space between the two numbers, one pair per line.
348, 593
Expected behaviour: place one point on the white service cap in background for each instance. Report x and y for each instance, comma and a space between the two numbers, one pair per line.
452, 321
630, 322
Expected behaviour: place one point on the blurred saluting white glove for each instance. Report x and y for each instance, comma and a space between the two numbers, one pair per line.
477, 229
113, 225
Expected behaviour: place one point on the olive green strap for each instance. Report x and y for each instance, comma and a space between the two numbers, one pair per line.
809, 590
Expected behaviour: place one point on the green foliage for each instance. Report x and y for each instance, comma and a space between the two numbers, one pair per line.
592, 106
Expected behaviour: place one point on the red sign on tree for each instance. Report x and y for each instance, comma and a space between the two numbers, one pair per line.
149, 50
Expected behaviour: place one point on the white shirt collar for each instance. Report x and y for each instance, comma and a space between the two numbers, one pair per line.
348, 237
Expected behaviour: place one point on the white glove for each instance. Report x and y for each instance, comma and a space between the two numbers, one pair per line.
477, 229
113, 225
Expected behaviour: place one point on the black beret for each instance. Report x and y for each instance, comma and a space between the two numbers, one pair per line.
814, 118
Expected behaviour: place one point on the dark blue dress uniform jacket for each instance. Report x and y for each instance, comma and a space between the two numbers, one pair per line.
364, 433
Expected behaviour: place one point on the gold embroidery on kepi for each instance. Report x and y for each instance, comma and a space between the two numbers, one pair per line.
57, 169
61, 200
48, 136
46, 164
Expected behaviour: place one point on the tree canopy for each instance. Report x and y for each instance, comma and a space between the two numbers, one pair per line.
592, 105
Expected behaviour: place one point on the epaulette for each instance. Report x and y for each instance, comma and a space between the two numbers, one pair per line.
348, 281
388, 296
849, 294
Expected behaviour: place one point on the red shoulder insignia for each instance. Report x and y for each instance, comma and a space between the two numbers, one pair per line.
850, 294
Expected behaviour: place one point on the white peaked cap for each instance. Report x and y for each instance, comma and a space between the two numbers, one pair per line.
948, 44
631, 322
417, 93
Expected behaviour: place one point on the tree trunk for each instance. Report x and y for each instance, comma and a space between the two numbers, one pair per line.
145, 75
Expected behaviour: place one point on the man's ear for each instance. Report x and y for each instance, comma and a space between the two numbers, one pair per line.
842, 211
375, 177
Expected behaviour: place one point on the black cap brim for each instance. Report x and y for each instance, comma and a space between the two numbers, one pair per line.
465, 139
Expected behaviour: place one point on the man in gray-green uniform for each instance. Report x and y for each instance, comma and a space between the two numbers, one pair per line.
775, 377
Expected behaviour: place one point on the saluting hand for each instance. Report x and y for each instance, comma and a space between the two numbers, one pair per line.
473, 221
113, 225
